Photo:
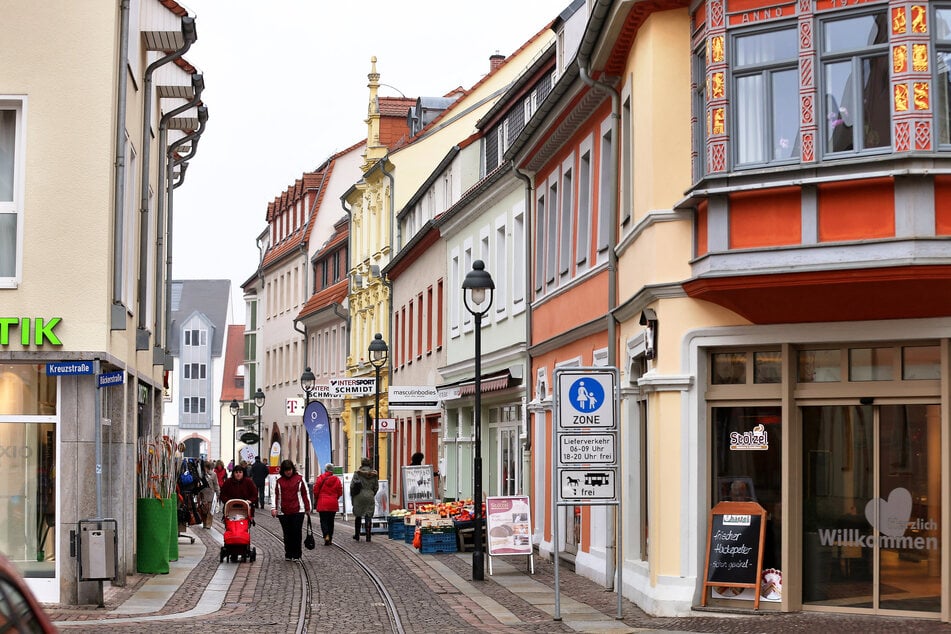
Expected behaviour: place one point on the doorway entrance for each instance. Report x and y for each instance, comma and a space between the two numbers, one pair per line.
871, 507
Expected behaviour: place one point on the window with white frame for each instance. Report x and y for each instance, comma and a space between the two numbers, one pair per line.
582, 232
130, 223
551, 231
454, 308
627, 162
855, 82
539, 250
11, 190
766, 96
195, 371
567, 207
605, 217
518, 259
502, 268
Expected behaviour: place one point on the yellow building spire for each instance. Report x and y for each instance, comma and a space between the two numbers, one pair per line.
374, 151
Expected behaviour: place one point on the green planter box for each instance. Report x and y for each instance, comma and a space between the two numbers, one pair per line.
152, 534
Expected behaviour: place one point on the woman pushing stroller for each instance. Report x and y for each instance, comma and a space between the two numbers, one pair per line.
239, 487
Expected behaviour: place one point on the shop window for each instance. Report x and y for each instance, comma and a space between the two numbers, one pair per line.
942, 29
855, 82
920, 362
767, 367
871, 364
28, 468
747, 466
766, 97
729, 368
820, 366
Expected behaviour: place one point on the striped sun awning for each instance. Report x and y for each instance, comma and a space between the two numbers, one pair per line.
489, 384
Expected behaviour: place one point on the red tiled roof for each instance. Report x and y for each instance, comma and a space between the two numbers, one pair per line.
334, 294
395, 106
231, 386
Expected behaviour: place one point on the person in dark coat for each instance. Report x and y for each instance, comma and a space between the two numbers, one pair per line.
259, 473
364, 502
327, 492
238, 487
291, 502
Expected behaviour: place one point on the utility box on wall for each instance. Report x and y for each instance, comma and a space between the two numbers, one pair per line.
98, 547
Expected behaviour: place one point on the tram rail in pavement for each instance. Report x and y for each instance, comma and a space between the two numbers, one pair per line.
585, 606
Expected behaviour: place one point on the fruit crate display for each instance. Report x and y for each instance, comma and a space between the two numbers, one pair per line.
444, 542
397, 528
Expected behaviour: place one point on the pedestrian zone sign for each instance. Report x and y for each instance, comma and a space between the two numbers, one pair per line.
586, 399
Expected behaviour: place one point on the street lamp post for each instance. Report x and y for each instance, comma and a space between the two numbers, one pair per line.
307, 380
259, 402
378, 352
234, 407
474, 290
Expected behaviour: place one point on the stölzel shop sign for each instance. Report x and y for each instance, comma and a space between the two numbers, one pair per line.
735, 535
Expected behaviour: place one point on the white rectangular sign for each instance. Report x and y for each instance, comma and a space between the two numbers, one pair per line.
413, 396
387, 425
352, 387
294, 406
586, 448
586, 399
584, 485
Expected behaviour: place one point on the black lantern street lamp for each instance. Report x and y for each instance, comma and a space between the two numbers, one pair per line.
259, 401
475, 288
378, 353
307, 380
234, 407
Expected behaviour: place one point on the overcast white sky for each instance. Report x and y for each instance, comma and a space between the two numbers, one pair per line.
285, 86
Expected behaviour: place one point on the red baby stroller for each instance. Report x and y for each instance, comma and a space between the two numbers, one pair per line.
237, 546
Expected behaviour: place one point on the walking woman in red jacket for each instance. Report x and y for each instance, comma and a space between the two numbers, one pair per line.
291, 502
327, 491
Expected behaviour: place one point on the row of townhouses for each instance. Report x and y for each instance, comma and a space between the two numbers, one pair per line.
735, 210
739, 208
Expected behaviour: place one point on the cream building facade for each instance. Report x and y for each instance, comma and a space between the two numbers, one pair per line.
84, 266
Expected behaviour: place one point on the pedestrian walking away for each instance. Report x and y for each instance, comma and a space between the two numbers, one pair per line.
363, 488
259, 473
209, 493
221, 473
327, 491
238, 487
291, 502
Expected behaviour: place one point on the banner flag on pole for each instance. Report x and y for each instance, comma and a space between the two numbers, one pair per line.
317, 424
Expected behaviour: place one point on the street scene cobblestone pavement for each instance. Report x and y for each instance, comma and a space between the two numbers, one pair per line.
431, 592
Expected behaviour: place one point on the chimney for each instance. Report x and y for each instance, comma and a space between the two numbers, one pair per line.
495, 61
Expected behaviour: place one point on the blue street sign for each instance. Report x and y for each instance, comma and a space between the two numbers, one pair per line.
586, 395
65, 368
111, 378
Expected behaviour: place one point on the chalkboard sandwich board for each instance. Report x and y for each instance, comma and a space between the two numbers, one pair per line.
735, 534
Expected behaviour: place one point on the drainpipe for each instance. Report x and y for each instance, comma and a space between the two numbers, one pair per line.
190, 35
198, 85
118, 315
612, 552
529, 276
171, 185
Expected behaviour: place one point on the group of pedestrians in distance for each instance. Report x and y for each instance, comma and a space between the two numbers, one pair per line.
291, 503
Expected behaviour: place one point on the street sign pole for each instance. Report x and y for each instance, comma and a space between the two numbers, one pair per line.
585, 460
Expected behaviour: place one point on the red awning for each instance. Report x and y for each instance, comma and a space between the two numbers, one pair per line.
489, 384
